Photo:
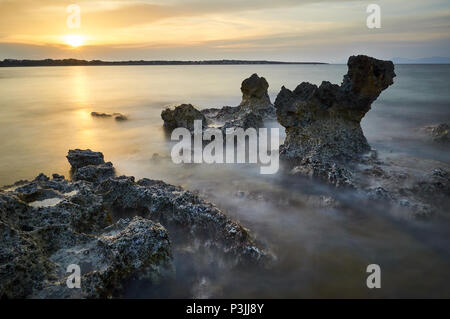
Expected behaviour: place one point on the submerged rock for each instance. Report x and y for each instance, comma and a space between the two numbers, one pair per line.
98, 114
120, 117
117, 230
117, 116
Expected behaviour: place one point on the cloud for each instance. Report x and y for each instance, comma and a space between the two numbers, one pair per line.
233, 28
20, 15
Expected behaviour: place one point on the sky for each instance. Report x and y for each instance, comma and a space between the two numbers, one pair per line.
284, 30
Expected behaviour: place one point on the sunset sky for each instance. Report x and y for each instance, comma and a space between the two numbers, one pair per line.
290, 30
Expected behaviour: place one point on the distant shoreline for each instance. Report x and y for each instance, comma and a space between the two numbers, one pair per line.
75, 62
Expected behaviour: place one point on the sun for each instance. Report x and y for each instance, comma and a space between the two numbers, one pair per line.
74, 40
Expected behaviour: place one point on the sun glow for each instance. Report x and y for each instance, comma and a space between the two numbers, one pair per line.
74, 40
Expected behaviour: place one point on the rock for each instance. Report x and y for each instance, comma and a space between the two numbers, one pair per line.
255, 87
252, 119
434, 188
117, 116
136, 249
97, 114
156, 158
184, 213
335, 174
416, 209
379, 194
120, 117
253, 109
439, 133
323, 123
58, 177
115, 229
222, 115
375, 170
89, 166
31, 236
245, 121
42, 177
255, 97
182, 115
80, 158
23, 266
415, 194
94, 173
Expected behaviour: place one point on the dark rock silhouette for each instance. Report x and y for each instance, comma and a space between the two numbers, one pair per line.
98, 114
117, 116
120, 117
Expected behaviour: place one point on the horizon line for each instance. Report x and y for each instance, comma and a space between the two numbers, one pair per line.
10, 62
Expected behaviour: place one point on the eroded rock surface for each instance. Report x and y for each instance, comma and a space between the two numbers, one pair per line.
179, 210
255, 97
323, 123
254, 108
182, 115
117, 230
439, 133
80, 158
89, 166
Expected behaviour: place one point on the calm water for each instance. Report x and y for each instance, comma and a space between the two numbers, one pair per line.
322, 252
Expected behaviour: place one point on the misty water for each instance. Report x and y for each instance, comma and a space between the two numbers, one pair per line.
321, 251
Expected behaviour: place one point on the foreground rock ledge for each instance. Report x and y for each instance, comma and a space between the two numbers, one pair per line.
117, 230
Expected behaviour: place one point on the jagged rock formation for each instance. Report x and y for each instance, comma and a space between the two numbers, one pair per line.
114, 228
323, 123
255, 97
253, 109
80, 158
